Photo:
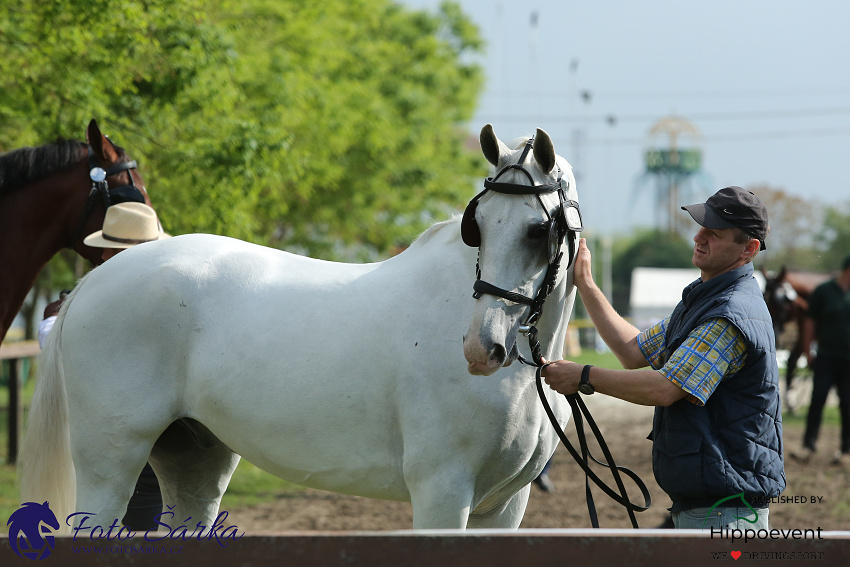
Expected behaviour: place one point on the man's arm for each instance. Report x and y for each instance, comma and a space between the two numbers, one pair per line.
712, 352
808, 336
646, 387
618, 334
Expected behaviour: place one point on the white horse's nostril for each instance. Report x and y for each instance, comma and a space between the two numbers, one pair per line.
498, 354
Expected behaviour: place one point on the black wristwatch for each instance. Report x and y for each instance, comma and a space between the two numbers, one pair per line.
584, 385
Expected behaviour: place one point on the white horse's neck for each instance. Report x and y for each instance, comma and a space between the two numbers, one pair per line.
552, 329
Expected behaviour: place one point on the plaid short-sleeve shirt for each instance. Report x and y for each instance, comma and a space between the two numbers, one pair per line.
712, 352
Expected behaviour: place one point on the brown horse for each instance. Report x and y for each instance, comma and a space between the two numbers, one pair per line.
787, 297
51, 197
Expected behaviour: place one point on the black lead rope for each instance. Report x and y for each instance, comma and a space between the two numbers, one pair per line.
580, 412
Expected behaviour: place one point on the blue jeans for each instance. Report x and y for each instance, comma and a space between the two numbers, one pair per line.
695, 518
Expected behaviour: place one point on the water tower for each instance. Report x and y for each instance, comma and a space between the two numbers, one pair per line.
672, 161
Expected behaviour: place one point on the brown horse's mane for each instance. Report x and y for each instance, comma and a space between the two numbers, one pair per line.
26, 165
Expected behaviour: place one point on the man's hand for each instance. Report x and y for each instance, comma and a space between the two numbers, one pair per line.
562, 376
582, 275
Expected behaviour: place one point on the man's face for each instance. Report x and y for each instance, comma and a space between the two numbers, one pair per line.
110, 252
716, 252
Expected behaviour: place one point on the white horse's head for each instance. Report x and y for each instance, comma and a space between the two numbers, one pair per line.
519, 222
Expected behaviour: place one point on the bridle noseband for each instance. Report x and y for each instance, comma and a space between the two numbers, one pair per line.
566, 221
109, 195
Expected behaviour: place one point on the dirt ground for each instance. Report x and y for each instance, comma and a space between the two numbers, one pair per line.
823, 498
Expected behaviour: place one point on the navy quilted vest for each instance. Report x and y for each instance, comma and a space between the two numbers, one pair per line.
733, 443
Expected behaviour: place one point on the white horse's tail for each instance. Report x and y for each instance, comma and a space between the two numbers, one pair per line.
45, 465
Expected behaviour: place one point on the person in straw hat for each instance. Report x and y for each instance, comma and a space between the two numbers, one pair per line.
125, 225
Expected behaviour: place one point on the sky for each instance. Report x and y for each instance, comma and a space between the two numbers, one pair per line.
766, 84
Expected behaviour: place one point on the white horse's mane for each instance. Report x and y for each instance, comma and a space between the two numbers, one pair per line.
431, 231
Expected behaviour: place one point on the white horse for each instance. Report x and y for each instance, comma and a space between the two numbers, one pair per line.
196, 350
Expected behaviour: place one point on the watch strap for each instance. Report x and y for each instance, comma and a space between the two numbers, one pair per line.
585, 374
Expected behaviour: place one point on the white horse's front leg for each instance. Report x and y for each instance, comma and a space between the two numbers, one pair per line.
508, 516
442, 500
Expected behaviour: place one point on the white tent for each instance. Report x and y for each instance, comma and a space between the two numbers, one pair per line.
656, 292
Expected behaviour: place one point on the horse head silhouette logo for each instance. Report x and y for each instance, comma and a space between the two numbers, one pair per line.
744, 500
26, 526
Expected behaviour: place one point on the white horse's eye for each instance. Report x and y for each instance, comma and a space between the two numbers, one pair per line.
538, 231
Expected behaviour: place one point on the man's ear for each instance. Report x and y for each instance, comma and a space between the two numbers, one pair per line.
752, 248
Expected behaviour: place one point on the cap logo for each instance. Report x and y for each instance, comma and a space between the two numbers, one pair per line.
728, 212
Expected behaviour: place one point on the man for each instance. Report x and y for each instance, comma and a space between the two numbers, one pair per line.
125, 225
828, 321
717, 430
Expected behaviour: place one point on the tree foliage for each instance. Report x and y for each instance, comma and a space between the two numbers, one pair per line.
792, 230
319, 127
648, 248
833, 239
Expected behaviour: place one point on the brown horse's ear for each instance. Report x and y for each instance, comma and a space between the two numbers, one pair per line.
544, 151
100, 144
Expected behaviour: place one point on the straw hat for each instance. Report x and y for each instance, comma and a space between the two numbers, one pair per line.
125, 225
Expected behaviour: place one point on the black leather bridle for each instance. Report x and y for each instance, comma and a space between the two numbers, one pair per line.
565, 222
109, 195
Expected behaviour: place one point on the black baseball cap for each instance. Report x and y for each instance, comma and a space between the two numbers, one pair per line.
732, 207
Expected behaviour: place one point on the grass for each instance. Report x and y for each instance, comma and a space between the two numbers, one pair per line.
602, 359
251, 486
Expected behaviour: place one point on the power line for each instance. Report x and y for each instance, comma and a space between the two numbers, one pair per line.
694, 116
701, 94
766, 135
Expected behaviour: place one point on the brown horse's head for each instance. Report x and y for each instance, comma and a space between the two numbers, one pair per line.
117, 181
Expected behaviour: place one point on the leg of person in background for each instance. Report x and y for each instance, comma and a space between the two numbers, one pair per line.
146, 503
821, 384
543, 481
842, 382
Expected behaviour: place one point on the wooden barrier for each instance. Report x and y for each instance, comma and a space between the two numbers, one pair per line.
14, 353
656, 548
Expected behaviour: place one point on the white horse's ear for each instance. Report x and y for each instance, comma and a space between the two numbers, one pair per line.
492, 147
544, 151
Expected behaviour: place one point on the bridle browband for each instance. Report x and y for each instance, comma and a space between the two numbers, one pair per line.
109, 195
561, 225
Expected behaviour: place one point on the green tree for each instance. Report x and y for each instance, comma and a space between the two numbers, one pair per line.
834, 237
311, 126
648, 248
334, 129
793, 229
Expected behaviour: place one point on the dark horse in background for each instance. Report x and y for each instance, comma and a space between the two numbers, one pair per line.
787, 297
52, 197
